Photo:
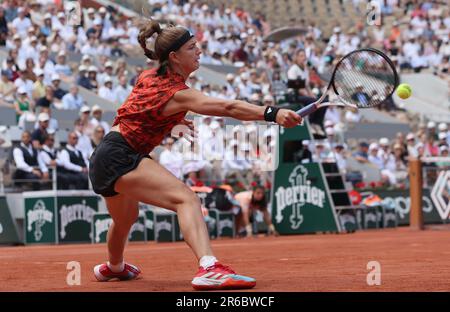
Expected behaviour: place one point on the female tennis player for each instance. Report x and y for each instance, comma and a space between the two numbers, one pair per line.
122, 171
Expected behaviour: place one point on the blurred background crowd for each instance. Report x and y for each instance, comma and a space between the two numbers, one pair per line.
60, 80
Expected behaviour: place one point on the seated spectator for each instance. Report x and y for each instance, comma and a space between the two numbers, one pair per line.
107, 73
96, 119
116, 50
29, 164
352, 115
72, 100
388, 104
23, 103
362, 155
7, 89
87, 128
23, 81
442, 139
57, 91
82, 130
444, 149
411, 145
122, 91
107, 91
38, 136
250, 201
61, 67
255, 99
171, 159
321, 152
97, 136
191, 173
304, 155
385, 152
48, 151
53, 125
444, 68
399, 168
49, 156
72, 165
222, 199
374, 157
11, 69
340, 157
333, 114
268, 100
360, 96
430, 146
92, 76
48, 99
234, 164
38, 86
46, 28
298, 78
3, 27
83, 79
139, 70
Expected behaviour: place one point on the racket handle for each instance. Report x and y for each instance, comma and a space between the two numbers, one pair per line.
305, 111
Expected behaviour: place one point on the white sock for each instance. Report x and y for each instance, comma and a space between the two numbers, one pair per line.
116, 268
207, 261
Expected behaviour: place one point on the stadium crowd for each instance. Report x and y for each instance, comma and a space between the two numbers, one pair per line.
38, 41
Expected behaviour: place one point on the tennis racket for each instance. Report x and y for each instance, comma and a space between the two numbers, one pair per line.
364, 78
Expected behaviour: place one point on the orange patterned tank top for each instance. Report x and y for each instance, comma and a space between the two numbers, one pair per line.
140, 117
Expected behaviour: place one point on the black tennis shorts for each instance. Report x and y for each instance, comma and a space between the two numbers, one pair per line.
111, 159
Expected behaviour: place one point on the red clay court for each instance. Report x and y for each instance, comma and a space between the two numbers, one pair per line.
410, 261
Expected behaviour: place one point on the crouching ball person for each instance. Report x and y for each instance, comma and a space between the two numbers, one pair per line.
122, 171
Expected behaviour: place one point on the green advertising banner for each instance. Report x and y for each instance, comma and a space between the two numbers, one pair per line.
378, 217
371, 217
400, 201
138, 230
40, 220
225, 224
211, 222
102, 221
100, 225
259, 226
8, 231
164, 227
178, 233
75, 215
149, 224
350, 220
300, 200
222, 225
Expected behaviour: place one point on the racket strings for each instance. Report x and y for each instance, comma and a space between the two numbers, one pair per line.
364, 78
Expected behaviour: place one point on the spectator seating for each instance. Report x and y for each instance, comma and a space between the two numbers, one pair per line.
7, 116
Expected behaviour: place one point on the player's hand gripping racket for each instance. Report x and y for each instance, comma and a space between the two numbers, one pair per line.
363, 78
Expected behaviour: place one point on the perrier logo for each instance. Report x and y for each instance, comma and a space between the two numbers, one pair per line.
299, 193
38, 216
76, 212
101, 226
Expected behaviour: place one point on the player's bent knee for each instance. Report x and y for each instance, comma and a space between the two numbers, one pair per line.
122, 227
187, 200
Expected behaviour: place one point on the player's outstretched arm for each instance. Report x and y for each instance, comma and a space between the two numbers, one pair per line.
197, 102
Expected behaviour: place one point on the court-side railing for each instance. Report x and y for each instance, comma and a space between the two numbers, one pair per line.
53, 180
423, 172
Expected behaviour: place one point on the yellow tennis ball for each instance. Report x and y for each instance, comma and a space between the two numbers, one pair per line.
404, 91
